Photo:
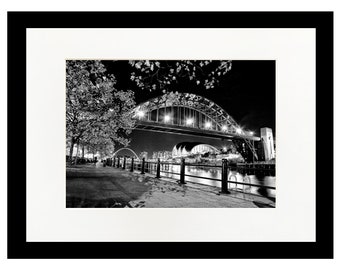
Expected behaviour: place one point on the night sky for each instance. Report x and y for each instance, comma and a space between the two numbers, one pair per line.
246, 92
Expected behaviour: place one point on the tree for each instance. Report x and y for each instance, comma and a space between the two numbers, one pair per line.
163, 75
96, 112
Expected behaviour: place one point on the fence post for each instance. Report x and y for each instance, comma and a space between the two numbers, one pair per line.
182, 176
114, 162
131, 168
118, 161
124, 163
225, 173
143, 166
158, 172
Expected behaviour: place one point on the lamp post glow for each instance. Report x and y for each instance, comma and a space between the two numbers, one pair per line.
224, 128
238, 131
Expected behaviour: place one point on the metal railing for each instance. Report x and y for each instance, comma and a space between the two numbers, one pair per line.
228, 170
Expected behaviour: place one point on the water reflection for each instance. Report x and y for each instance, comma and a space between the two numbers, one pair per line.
172, 171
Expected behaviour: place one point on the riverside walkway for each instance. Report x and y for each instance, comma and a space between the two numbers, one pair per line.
108, 187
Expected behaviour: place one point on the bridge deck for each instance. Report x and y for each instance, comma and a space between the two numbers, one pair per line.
176, 129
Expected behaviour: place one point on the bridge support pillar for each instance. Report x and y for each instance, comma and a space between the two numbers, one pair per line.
158, 173
118, 162
114, 162
225, 173
182, 172
143, 166
131, 168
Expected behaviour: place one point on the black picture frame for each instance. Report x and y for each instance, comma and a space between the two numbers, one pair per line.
18, 247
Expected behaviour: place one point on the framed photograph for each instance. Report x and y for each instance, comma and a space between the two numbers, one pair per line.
170, 134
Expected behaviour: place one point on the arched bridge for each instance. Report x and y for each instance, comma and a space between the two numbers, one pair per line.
184, 113
126, 148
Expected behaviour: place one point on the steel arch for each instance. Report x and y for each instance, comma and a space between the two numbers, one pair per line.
126, 148
203, 106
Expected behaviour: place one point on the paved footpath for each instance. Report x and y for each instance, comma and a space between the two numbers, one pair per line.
88, 186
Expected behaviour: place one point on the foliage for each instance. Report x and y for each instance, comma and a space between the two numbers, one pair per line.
161, 75
97, 114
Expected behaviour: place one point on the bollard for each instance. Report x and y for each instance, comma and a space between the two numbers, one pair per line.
131, 168
225, 173
143, 166
158, 172
118, 161
124, 163
182, 176
114, 162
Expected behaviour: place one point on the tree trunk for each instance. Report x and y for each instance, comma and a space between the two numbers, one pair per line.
75, 162
71, 150
94, 152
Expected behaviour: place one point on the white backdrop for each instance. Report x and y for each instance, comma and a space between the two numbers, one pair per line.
293, 219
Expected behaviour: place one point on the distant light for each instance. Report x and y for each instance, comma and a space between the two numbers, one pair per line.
190, 121
251, 133
224, 127
207, 125
167, 118
224, 148
238, 130
140, 114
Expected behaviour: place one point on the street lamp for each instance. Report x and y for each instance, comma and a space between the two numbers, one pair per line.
238, 131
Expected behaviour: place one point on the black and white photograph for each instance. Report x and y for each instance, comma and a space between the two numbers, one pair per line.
214, 123
170, 133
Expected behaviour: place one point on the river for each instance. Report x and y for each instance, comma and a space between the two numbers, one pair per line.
193, 172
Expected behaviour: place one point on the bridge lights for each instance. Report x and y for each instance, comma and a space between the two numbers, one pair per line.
140, 114
167, 118
238, 131
224, 128
251, 133
189, 121
207, 125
